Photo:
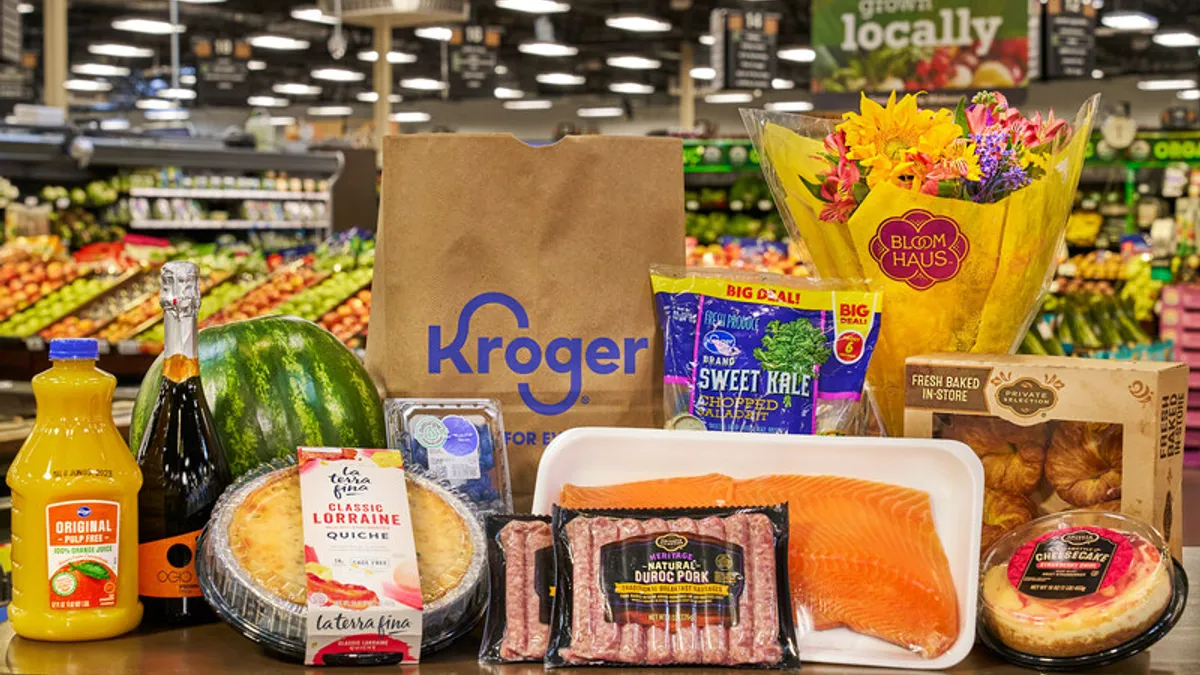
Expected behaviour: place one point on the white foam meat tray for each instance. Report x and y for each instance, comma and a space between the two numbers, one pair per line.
948, 470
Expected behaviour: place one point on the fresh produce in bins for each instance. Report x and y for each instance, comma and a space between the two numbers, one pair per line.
24, 283
212, 302
1032, 344
349, 319
263, 300
316, 300
87, 321
1141, 289
55, 305
274, 384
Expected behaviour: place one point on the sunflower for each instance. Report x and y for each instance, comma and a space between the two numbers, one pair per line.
890, 140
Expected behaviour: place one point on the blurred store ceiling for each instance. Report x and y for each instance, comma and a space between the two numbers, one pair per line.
583, 27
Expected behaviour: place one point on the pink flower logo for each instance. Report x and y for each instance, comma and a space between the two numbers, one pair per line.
919, 248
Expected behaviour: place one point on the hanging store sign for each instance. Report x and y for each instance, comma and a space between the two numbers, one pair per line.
10, 31
469, 60
222, 70
17, 81
945, 47
1070, 38
743, 51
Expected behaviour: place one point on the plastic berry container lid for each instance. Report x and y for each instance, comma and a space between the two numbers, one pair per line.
1079, 589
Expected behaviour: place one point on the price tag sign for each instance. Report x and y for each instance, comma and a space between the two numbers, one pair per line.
469, 61
222, 70
129, 348
743, 53
1070, 38
35, 344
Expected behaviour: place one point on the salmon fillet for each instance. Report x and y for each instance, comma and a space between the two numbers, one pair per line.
866, 556
712, 489
863, 555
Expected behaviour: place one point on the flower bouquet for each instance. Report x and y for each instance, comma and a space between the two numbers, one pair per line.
956, 215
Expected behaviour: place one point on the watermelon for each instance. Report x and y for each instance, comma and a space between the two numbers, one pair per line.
273, 384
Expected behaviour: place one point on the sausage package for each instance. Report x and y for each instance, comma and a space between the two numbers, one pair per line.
764, 353
672, 587
521, 557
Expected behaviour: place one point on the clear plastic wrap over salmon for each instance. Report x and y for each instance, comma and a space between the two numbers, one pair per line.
672, 587
521, 556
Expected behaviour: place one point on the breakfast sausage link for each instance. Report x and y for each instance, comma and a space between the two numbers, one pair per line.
516, 585
539, 633
766, 609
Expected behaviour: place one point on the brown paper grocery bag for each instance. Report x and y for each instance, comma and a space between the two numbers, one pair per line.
522, 274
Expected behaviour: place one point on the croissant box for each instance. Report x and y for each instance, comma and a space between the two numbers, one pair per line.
1056, 434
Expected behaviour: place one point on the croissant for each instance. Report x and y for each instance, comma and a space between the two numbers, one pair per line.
1002, 513
1012, 456
1084, 462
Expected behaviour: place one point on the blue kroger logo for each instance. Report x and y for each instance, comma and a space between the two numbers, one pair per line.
523, 355
721, 343
83, 512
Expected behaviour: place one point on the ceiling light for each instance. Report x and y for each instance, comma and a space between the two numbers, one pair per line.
1177, 38
797, 54
630, 62
282, 121
501, 69
314, 14
1189, 95
267, 102
1129, 20
708, 40
638, 23
114, 124
631, 88
422, 84
780, 83
176, 94
561, 79
534, 6
87, 85
703, 73
120, 50
202, 2
554, 49
790, 106
187, 79
296, 89
371, 56
602, 111
410, 117
367, 96
508, 93
533, 104
338, 75
1166, 85
729, 97
153, 104
1097, 74
25, 7
439, 33
330, 111
255, 64
99, 70
149, 26
280, 42
174, 114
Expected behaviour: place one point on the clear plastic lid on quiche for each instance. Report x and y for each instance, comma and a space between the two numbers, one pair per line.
1078, 589
250, 559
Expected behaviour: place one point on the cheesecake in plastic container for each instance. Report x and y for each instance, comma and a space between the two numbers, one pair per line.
250, 560
1080, 589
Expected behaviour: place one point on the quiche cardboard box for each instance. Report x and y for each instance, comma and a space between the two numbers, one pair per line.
1056, 434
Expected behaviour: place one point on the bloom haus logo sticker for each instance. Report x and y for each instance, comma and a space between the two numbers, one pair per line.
919, 249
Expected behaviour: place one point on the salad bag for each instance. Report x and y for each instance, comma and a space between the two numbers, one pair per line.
957, 274
518, 273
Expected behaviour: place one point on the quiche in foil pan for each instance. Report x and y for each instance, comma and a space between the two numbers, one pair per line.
251, 566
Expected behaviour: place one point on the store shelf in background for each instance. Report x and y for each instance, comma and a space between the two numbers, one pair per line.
193, 193
227, 225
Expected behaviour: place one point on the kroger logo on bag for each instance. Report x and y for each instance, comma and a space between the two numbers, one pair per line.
523, 355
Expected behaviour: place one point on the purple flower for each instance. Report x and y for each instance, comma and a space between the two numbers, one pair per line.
1000, 169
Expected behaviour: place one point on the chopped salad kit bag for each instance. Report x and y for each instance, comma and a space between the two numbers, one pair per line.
518, 273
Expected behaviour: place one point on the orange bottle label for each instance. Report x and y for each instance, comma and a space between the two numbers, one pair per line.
82, 553
166, 567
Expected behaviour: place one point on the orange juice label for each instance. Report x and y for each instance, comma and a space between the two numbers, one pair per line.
81, 555
166, 568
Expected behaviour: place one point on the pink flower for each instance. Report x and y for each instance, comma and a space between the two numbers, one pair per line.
1034, 132
838, 187
835, 144
990, 112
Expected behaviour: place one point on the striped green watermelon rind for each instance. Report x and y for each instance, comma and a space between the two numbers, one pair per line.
274, 384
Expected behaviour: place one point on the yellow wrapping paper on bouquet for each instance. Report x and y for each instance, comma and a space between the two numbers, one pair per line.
957, 276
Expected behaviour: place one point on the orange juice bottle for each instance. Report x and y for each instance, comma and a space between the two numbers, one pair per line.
74, 508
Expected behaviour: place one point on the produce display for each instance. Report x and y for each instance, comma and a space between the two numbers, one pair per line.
27, 282
280, 287
764, 256
55, 305
260, 374
317, 300
1086, 322
348, 320
222, 293
610, 561
521, 556
1070, 590
98, 315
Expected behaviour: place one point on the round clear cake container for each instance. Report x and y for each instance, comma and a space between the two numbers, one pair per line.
1001, 552
278, 624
